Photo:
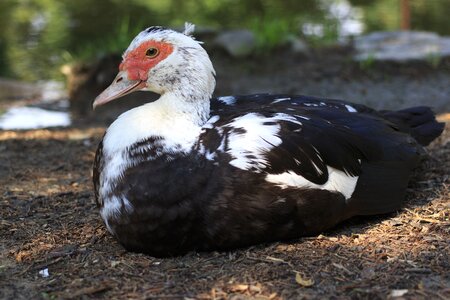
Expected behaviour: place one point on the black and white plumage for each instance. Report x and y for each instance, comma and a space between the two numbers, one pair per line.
191, 172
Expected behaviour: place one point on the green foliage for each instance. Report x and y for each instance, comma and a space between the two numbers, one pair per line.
38, 36
427, 15
380, 14
434, 60
329, 34
431, 15
4, 65
116, 42
271, 34
6, 6
368, 63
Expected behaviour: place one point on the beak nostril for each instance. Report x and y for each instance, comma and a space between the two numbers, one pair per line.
119, 79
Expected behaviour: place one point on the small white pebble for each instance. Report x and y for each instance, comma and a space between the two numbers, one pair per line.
115, 263
398, 293
44, 273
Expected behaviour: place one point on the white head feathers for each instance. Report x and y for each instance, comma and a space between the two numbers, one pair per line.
189, 29
187, 70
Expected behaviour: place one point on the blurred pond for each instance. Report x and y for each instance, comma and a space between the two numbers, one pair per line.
38, 36
32, 118
33, 105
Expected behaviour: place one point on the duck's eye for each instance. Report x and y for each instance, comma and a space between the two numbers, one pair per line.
151, 52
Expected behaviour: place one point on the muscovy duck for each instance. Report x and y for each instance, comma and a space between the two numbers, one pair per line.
192, 172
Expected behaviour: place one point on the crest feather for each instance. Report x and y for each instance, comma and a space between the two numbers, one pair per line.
189, 29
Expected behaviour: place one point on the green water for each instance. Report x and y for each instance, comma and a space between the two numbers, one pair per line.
38, 36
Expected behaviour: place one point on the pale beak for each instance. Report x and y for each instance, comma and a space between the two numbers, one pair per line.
121, 86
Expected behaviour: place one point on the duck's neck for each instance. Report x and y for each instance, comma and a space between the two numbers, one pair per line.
185, 106
177, 121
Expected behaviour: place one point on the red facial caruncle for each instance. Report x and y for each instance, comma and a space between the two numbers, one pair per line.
140, 60
133, 71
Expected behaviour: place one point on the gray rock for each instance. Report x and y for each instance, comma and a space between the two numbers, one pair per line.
401, 46
13, 89
238, 43
297, 45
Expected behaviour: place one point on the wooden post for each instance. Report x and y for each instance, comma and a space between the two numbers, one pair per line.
405, 19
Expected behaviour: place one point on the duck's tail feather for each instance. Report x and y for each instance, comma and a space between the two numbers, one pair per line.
420, 122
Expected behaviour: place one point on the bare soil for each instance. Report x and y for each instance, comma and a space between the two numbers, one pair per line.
49, 222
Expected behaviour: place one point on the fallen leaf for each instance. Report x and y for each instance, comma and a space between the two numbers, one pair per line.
272, 296
238, 288
254, 289
305, 282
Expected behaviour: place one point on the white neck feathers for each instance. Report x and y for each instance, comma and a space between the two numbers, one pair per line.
178, 128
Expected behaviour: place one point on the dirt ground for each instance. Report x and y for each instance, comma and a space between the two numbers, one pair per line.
49, 222
54, 245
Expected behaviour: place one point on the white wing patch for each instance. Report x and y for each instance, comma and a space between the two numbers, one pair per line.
280, 100
260, 135
228, 100
350, 108
338, 181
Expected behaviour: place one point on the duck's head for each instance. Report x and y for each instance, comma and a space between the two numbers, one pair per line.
163, 61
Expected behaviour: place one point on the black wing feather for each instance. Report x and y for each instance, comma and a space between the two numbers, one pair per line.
317, 144
329, 134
